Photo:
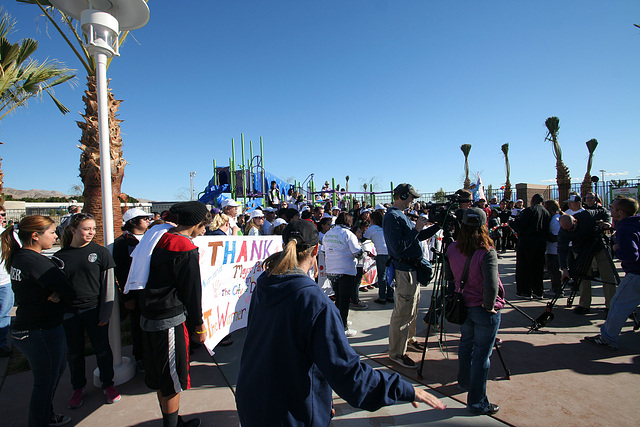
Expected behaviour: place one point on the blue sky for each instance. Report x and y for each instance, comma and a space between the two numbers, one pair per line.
378, 90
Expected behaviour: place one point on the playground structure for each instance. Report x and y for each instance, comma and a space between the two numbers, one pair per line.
250, 181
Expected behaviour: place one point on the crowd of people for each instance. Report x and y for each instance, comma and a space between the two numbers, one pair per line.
155, 264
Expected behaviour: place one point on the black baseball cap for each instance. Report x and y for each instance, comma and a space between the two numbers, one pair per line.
405, 188
304, 232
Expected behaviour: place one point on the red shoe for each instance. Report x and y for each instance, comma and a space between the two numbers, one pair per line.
112, 394
76, 399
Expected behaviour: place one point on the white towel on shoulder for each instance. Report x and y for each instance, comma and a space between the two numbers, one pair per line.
141, 257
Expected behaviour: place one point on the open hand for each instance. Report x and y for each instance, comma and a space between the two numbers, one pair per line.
428, 398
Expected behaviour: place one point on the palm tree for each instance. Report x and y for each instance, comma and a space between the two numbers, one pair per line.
563, 179
507, 184
587, 186
22, 77
89, 141
466, 148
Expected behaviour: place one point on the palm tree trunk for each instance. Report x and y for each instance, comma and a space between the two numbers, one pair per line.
587, 186
507, 184
90, 159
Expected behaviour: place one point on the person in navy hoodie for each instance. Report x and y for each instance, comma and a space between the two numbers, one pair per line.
296, 351
627, 249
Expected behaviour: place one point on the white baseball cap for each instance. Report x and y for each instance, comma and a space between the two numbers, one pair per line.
256, 213
230, 202
134, 213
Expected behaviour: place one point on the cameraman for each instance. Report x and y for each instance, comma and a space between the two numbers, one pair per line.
402, 239
583, 230
627, 297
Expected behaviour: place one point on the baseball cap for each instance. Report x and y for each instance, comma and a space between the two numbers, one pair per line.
256, 213
573, 198
474, 217
380, 207
305, 234
406, 188
229, 202
134, 213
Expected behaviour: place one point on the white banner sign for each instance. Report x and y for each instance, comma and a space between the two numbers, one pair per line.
229, 267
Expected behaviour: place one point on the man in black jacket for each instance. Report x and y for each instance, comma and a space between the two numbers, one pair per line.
532, 226
580, 231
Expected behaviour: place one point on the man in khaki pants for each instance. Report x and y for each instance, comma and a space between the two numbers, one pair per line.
402, 239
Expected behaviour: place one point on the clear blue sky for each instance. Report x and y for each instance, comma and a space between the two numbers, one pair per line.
377, 90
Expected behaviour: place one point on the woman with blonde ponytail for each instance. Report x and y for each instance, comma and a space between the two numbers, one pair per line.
296, 351
39, 287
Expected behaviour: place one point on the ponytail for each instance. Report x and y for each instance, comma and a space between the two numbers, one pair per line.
286, 260
25, 229
9, 247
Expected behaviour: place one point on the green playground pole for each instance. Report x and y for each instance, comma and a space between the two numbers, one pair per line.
334, 196
215, 174
231, 178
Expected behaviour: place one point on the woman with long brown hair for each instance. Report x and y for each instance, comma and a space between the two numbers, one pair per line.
39, 286
86, 265
483, 296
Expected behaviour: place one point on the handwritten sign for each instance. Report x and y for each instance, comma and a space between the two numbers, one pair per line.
229, 268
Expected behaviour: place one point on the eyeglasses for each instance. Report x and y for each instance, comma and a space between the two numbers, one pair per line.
3, 214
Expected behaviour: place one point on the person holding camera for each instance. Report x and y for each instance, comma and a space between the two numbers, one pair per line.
483, 296
583, 230
403, 244
627, 296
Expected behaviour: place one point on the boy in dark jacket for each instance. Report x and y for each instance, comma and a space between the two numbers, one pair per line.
170, 302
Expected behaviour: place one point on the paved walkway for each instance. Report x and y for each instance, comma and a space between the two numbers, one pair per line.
555, 379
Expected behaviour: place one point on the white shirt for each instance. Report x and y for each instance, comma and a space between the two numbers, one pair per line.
341, 247
376, 234
5, 279
554, 228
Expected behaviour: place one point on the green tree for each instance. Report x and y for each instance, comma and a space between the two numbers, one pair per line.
22, 77
563, 178
72, 35
439, 196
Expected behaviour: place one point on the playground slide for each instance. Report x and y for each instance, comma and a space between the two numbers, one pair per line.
214, 192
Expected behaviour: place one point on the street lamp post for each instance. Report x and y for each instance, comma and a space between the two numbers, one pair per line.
101, 21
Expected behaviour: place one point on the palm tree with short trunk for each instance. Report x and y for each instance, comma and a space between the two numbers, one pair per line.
22, 77
89, 141
563, 178
507, 184
466, 148
587, 185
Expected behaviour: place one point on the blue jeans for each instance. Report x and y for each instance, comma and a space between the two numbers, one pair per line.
385, 292
478, 334
75, 324
45, 350
625, 300
6, 303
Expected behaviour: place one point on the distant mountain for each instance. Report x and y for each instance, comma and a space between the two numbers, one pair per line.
33, 194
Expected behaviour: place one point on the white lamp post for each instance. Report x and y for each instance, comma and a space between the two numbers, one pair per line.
101, 21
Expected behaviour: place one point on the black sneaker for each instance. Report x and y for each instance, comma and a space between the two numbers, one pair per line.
5, 351
416, 345
534, 296
379, 301
581, 310
193, 422
59, 420
597, 340
405, 361
523, 296
493, 409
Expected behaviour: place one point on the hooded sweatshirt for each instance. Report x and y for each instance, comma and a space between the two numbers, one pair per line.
174, 288
628, 239
296, 351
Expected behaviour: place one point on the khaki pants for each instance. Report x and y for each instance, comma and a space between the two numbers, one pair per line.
606, 274
402, 328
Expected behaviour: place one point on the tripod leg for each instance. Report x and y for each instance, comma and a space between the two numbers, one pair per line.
424, 352
506, 370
